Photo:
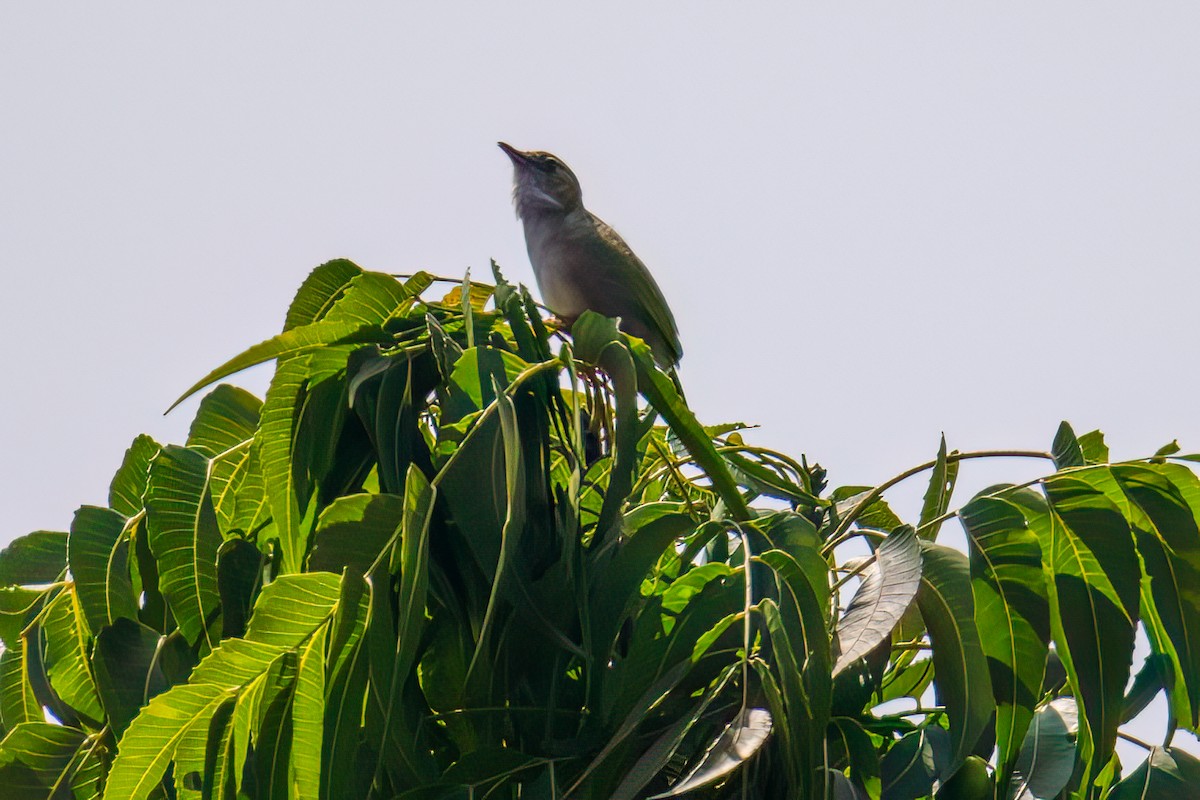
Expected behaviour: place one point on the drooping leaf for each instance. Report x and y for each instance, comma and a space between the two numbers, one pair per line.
1094, 577
285, 468
662, 394
881, 599
962, 684
1011, 608
598, 341
98, 553
184, 537
239, 574
289, 611
17, 701
353, 530
66, 658
1168, 540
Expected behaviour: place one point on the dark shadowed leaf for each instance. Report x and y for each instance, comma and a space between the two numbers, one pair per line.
128, 670
1065, 448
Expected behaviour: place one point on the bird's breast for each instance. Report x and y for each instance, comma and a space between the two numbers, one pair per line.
557, 265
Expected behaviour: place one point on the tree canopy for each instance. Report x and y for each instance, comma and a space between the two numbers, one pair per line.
454, 553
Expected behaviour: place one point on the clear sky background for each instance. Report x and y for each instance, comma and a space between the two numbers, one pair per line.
875, 221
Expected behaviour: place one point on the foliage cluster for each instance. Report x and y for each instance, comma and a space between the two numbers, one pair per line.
451, 555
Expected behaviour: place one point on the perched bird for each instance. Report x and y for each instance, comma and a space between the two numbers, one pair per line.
580, 262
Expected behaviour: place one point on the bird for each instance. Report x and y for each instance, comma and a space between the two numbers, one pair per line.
580, 262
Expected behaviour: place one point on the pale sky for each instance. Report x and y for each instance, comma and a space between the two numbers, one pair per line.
874, 221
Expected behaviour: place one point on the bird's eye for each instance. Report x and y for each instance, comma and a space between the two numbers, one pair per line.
550, 165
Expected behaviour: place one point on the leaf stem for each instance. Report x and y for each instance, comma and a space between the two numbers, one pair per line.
841, 535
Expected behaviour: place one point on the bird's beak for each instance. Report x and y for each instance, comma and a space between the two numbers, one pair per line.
518, 157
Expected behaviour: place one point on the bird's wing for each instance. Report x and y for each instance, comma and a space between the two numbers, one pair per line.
625, 276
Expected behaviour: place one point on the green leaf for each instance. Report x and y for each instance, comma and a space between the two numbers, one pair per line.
184, 537
876, 514
1168, 540
1047, 757
128, 671
353, 530
126, 494
323, 287
66, 657
1166, 774
598, 341
1066, 449
36, 758
297, 341
298, 382
17, 609
962, 683
882, 598
239, 573
1094, 450
227, 417
649, 530
289, 611
662, 394
1012, 611
308, 716
937, 496
1094, 575
17, 701
909, 766
38, 557
98, 553
971, 781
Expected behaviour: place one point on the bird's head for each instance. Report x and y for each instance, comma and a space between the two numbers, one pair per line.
542, 183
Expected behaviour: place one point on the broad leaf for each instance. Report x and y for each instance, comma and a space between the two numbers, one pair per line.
1047, 756
184, 538
98, 552
962, 684
1094, 574
882, 598
1011, 608
1166, 774
38, 557
127, 493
